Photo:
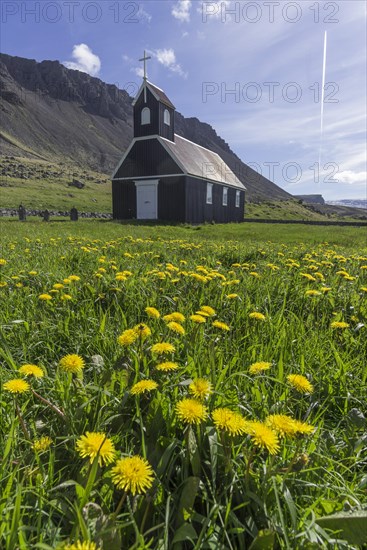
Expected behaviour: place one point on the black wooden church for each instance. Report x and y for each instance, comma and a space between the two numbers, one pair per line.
163, 176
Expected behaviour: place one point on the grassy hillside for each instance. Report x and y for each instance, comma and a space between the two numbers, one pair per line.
42, 184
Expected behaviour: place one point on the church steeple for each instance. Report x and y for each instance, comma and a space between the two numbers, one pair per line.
153, 111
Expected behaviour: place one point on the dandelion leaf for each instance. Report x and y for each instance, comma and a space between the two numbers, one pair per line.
349, 526
185, 533
264, 540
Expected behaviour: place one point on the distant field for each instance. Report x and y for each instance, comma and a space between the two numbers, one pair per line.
245, 234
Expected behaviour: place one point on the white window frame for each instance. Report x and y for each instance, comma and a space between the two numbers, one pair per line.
225, 196
145, 116
238, 199
209, 193
167, 117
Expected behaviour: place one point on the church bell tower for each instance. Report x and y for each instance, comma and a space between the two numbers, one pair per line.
154, 113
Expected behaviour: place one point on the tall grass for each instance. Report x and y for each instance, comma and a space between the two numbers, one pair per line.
210, 489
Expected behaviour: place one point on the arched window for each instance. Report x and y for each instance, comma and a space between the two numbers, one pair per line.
145, 116
166, 117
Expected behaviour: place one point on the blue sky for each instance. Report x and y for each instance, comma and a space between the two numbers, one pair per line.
251, 69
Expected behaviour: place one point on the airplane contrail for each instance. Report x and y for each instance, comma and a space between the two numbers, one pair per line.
322, 98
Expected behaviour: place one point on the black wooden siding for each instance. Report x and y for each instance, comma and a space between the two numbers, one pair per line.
197, 211
147, 158
156, 125
180, 199
123, 200
171, 199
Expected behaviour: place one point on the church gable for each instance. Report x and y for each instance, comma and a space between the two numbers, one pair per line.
147, 158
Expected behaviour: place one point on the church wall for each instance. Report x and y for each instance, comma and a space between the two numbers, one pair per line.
171, 199
123, 200
197, 211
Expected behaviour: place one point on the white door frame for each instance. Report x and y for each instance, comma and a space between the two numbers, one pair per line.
140, 185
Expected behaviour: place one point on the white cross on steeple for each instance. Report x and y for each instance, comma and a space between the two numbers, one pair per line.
145, 59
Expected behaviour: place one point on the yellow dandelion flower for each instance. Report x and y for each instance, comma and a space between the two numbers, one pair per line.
262, 436
255, 274
142, 330
339, 324
191, 411
176, 317
143, 386
231, 296
300, 383
220, 325
257, 315
133, 474
66, 281
45, 297
229, 421
72, 363
66, 297
200, 388
58, 286
326, 289
163, 347
197, 319
176, 327
208, 310
167, 366
308, 276
152, 312
32, 272
260, 366
202, 313
42, 444
364, 288
94, 444
3, 261
74, 278
82, 545
17, 385
128, 337
282, 424
303, 427
32, 370
313, 293
4, 284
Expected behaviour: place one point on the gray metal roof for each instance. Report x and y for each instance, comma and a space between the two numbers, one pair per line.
198, 161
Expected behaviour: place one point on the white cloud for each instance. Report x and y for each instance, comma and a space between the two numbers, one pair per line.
167, 58
181, 10
85, 60
143, 15
139, 71
349, 176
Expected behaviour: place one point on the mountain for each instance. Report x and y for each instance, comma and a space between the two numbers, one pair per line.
49, 112
355, 203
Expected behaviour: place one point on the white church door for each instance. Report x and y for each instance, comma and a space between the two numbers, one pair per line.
147, 199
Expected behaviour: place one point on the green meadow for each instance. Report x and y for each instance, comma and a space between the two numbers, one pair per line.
183, 387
